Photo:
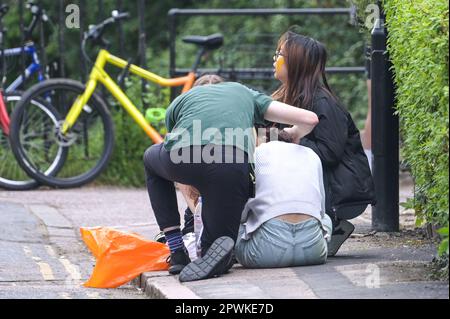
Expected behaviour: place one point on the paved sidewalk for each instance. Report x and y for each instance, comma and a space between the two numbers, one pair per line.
43, 256
377, 266
368, 265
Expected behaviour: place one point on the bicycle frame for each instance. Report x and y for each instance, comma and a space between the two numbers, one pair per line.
98, 74
4, 118
34, 67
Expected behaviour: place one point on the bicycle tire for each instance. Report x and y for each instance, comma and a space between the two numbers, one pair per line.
12, 176
64, 178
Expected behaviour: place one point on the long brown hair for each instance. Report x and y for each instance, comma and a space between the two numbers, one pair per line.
306, 59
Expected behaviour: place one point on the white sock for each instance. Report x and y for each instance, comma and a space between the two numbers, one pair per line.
327, 224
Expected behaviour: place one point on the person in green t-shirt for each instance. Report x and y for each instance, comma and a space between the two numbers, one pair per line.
210, 146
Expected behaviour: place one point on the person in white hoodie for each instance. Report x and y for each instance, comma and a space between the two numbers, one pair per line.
285, 224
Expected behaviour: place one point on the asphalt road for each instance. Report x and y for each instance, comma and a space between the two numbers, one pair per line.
41, 251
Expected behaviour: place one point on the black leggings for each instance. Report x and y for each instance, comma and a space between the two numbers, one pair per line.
224, 188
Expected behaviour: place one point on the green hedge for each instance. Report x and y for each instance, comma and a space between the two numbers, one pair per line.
418, 46
248, 43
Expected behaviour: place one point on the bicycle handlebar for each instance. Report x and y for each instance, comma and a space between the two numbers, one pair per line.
37, 11
38, 14
120, 15
95, 32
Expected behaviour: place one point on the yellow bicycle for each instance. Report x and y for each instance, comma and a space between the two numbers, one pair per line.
84, 133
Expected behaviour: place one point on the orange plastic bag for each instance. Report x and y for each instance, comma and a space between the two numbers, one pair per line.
121, 256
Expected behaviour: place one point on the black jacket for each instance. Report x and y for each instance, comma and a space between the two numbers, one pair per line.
347, 177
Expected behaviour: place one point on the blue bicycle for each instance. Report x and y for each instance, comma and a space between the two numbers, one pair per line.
11, 175
29, 49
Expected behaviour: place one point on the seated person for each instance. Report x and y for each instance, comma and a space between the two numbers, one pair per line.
285, 224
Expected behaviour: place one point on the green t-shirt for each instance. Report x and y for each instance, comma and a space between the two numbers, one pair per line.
221, 114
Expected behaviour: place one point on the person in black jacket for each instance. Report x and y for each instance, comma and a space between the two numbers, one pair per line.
300, 67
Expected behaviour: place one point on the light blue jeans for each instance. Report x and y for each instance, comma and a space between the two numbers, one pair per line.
278, 243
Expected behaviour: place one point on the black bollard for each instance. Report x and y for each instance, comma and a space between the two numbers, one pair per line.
385, 136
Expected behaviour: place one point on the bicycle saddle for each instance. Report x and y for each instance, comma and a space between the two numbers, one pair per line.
210, 42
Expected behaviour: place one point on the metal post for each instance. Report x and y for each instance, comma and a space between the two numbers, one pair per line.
142, 44
385, 136
42, 45
172, 38
22, 40
84, 71
2, 55
100, 17
61, 47
100, 10
124, 123
120, 30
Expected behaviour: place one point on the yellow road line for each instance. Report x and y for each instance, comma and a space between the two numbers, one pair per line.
44, 268
70, 268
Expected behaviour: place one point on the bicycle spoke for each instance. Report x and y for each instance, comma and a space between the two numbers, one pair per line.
3, 164
79, 154
11, 174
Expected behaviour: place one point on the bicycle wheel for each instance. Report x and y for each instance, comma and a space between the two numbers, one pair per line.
12, 176
89, 143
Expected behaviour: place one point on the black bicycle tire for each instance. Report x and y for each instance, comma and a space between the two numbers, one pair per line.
50, 180
10, 184
50, 109
22, 185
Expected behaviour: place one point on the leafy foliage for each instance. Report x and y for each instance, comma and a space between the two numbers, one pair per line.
418, 46
126, 166
250, 41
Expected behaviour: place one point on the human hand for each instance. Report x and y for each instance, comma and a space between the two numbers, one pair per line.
294, 134
284, 136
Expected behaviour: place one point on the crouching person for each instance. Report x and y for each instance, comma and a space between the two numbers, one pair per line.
224, 184
285, 224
